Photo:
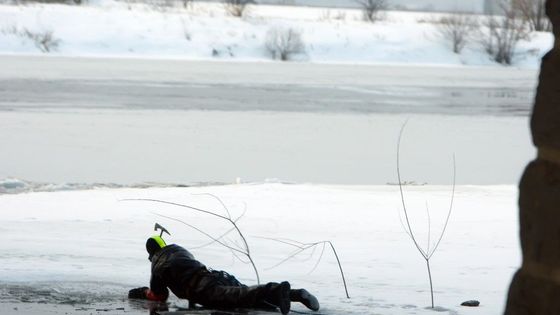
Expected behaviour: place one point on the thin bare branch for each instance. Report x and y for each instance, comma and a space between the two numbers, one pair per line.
223, 235
283, 241
340, 267
319, 259
240, 258
214, 241
219, 200
429, 227
201, 231
402, 225
295, 253
450, 209
431, 284
402, 194
180, 205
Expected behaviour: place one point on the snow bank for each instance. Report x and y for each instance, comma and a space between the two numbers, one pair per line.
88, 241
205, 32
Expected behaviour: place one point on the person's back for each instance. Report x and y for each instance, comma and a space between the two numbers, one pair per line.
175, 268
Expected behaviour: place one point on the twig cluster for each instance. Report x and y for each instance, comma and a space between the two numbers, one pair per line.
504, 32
534, 12
238, 250
45, 40
457, 28
372, 9
237, 7
302, 247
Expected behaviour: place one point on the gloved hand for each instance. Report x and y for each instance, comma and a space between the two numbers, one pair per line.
138, 293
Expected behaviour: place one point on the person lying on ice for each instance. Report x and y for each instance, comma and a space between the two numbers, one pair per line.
176, 268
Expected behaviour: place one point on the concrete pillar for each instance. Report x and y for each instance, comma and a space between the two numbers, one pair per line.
535, 288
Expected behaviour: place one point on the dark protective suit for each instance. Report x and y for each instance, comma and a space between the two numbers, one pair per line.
176, 268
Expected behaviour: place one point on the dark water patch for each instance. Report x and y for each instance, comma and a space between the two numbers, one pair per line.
68, 293
274, 97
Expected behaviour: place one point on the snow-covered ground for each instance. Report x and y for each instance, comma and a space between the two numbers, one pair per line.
88, 246
206, 32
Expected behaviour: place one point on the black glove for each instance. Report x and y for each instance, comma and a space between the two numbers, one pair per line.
138, 293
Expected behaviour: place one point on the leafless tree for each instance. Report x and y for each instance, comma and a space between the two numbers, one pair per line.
534, 12
430, 249
237, 7
503, 32
284, 42
371, 9
458, 29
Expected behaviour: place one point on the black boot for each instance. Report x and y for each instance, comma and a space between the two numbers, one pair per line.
279, 296
303, 296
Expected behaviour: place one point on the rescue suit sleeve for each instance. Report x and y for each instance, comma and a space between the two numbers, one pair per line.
158, 290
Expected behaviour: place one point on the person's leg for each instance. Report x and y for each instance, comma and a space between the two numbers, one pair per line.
211, 293
304, 297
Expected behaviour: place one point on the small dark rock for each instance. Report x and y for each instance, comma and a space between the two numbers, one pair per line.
471, 303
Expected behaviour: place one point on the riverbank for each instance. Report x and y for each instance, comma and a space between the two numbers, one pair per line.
205, 31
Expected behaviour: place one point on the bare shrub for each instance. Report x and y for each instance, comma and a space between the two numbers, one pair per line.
458, 29
503, 33
284, 42
371, 9
44, 40
426, 252
237, 7
534, 12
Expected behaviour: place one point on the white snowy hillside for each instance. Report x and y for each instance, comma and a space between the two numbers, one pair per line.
76, 250
204, 31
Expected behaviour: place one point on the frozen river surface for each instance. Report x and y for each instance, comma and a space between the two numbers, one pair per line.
73, 83
129, 121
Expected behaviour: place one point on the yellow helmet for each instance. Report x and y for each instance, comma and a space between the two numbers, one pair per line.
154, 244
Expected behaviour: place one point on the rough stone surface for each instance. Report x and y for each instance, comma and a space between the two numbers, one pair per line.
535, 289
533, 296
539, 202
545, 122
